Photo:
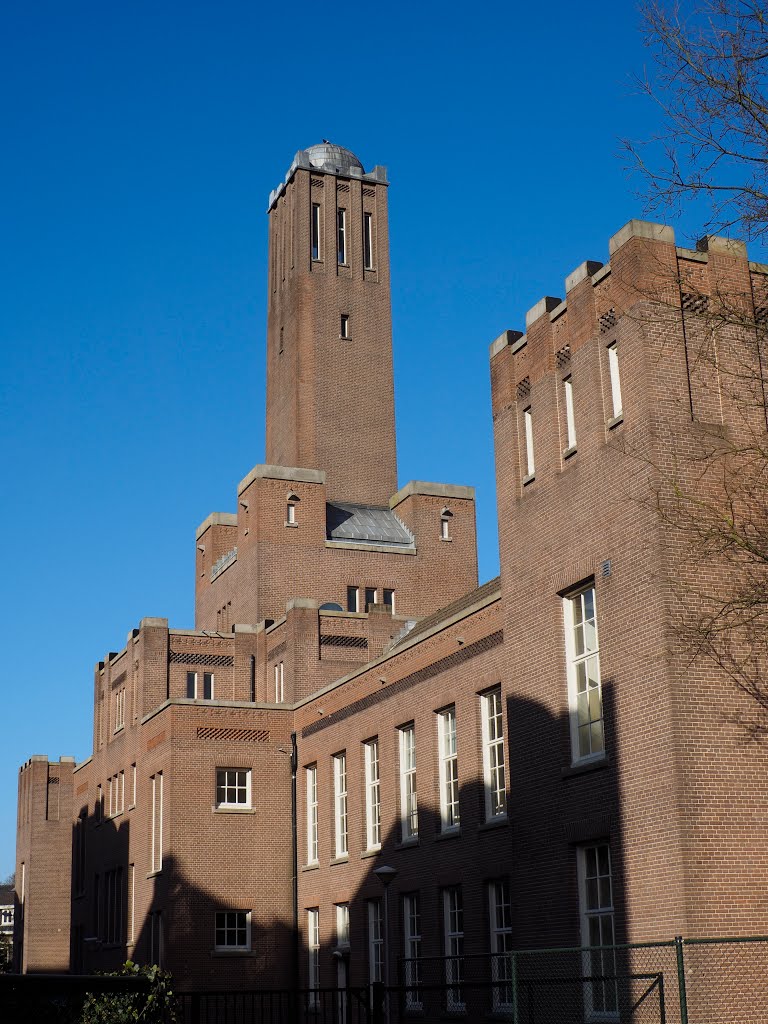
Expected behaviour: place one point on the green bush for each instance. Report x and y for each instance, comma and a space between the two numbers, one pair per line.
158, 1006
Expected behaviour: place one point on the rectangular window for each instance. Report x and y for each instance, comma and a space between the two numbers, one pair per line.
596, 904
233, 929
131, 902
290, 514
584, 691
194, 692
375, 941
342, 925
453, 940
79, 855
133, 785
370, 597
191, 685
500, 907
530, 465
389, 599
207, 686
312, 839
341, 231
409, 815
340, 826
113, 906
372, 795
613, 372
233, 787
313, 950
315, 231
119, 710
368, 241
412, 951
494, 780
570, 421
156, 837
156, 938
449, 770
279, 683
344, 326
353, 599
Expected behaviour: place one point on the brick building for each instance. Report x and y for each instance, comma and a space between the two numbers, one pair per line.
534, 761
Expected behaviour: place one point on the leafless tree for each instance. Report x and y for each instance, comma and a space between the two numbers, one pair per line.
709, 78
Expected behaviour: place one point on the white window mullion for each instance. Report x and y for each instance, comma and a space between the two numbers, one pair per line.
493, 755
341, 836
409, 818
372, 795
312, 836
449, 770
613, 373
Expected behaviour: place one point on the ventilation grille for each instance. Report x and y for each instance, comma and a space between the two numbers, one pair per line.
524, 389
607, 320
331, 640
342, 188
563, 357
317, 183
761, 314
212, 732
370, 192
693, 302
53, 780
217, 660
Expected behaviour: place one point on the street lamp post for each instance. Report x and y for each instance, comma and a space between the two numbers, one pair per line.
386, 876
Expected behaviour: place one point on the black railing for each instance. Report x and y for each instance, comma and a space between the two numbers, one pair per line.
58, 998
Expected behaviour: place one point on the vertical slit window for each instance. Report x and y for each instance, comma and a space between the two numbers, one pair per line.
530, 465
312, 839
340, 826
570, 421
613, 373
315, 231
368, 241
449, 770
344, 326
372, 796
409, 815
353, 599
341, 233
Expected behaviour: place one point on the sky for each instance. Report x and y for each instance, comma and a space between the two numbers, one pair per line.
140, 142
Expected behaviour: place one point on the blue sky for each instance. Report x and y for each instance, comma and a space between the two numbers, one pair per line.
140, 143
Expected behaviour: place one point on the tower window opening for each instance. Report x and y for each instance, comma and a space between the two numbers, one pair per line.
445, 524
315, 231
341, 231
368, 241
344, 326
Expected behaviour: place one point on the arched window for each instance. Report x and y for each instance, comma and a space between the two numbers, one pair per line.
290, 509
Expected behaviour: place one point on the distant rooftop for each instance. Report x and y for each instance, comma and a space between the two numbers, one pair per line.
365, 524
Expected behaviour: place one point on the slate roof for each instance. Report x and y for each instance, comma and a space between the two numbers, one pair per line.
365, 524
466, 601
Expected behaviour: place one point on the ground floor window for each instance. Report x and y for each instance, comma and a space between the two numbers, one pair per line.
233, 929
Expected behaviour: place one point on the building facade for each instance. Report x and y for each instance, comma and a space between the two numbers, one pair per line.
359, 755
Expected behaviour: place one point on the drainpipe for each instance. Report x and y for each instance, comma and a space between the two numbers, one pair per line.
295, 856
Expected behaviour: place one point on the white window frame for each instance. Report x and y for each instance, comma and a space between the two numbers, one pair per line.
344, 326
279, 683
597, 929
341, 236
372, 794
615, 381
290, 514
375, 941
570, 419
500, 916
195, 676
530, 463
453, 940
585, 698
313, 854
368, 263
409, 812
313, 955
240, 784
342, 926
223, 923
315, 233
412, 951
340, 806
450, 812
120, 710
494, 766
156, 830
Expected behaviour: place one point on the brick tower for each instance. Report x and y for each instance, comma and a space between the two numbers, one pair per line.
330, 393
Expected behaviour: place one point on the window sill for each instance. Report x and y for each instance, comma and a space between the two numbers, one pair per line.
291, 526
376, 852
344, 859
569, 452
224, 809
131, 807
311, 867
528, 479
449, 833
446, 540
582, 767
233, 952
615, 421
493, 824
154, 874
407, 844
119, 729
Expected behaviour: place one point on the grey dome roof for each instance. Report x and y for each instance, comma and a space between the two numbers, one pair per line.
328, 157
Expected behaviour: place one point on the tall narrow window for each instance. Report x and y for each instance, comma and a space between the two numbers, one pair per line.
279, 683
570, 421
207, 686
340, 827
388, 597
449, 770
412, 950
596, 899
194, 691
493, 755
445, 524
156, 938
191, 685
584, 690
315, 231
344, 325
312, 847
341, 231
290, 514
370, 597
500, 908
313, 951
133, 785
368, 241
120, 710
613, 372
375, 941
453, 940
409, 815
156, 848
372, 795
131, 902
530, 466
342, 925
353, 599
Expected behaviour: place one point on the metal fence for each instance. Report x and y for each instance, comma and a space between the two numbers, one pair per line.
60, 998
295, 1006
